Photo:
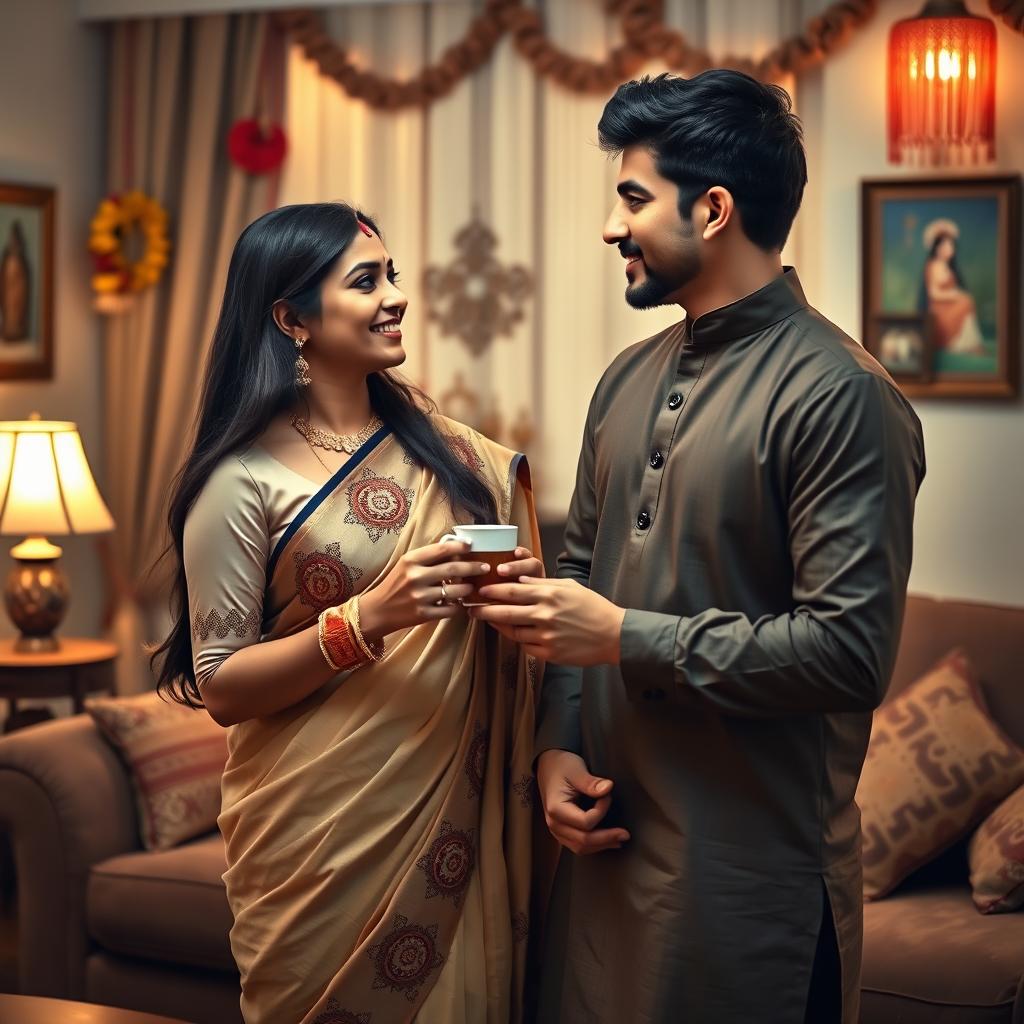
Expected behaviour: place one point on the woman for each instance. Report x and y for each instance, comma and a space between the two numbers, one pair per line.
944, 296
376, 799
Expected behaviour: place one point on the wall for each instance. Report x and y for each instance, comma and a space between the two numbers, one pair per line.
969, 529
51, 133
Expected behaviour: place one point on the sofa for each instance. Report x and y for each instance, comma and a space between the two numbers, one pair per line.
102, 920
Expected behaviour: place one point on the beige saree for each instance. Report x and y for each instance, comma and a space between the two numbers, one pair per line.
379, 833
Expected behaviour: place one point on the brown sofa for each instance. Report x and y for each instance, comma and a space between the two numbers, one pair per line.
102, 920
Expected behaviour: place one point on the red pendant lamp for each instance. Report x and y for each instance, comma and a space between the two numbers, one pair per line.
942, 86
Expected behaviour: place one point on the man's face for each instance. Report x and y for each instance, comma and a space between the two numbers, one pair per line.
662, 251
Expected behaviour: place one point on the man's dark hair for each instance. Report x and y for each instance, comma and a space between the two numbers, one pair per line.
718, 128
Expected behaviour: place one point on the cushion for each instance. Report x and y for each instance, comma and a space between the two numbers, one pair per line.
931, 958
168, 905
996, 857
936, 765
175, 756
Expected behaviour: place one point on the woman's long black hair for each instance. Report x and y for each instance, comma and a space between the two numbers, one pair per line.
250, 378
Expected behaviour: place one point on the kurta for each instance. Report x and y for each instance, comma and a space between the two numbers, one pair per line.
746, 491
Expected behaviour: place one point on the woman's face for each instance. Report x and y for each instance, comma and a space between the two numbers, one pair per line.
361, 310
946, 249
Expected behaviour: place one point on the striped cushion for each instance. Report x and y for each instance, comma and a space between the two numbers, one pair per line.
175, 756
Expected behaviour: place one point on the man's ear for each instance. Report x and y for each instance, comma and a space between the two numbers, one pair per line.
718, 208
288, 320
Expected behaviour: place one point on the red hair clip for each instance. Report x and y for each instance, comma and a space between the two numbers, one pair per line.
364, 228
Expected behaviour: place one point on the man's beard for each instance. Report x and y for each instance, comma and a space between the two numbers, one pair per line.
656, 288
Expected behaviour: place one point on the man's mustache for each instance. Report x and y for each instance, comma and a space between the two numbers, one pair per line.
629, 250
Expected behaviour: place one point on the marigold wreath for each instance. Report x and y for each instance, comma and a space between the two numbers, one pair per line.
117, 219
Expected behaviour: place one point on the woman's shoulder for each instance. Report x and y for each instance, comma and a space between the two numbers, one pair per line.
230, 488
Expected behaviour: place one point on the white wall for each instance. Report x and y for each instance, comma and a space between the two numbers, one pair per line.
969, 531
52, 97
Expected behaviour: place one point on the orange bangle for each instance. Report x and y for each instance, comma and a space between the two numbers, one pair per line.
337, 640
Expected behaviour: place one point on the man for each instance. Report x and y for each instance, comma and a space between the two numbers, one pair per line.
727, 609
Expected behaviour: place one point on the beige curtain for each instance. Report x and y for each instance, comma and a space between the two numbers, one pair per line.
521, 154
176, 86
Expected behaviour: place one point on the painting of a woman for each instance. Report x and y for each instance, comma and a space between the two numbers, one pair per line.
944, 297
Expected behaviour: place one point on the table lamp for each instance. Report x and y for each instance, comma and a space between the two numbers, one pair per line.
45, 488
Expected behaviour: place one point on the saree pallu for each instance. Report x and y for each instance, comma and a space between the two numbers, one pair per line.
379, 833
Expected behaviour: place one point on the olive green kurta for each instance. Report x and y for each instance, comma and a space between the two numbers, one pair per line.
746, 491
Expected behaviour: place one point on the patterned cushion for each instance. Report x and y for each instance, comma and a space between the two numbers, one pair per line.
175, 756
936, 764
996, 858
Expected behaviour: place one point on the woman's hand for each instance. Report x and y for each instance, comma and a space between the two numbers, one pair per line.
410, 592
524, 565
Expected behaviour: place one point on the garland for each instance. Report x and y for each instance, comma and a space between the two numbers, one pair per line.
115, 217
645, 37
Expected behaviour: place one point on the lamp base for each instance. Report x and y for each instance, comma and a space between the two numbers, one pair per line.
36, 595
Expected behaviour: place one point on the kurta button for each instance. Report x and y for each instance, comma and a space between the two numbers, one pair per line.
656, 460
643, 520
675, 400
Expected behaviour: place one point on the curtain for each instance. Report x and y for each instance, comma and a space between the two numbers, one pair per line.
510, 153
176, 85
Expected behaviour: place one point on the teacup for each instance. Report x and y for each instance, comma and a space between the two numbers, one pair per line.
489, 544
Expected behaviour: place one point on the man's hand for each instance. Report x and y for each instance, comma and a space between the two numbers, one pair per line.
525, 564
562, 778
555, 620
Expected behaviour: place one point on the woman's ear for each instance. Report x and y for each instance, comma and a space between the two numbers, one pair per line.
720, 208
288, 320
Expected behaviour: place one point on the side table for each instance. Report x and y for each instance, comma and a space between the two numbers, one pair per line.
40, 1010
79, 667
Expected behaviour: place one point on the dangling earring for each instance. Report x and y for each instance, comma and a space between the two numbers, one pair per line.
302, 377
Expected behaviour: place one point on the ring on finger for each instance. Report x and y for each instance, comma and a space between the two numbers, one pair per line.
444, 593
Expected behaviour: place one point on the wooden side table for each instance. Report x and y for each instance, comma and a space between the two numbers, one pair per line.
80, 667
40, 1010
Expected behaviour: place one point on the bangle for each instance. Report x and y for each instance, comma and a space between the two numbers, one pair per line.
323, 646
373, 651
337, 640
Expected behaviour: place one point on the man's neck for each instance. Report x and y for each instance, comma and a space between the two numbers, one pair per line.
718, 288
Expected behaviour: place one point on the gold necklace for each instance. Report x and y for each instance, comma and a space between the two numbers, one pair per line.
332, 442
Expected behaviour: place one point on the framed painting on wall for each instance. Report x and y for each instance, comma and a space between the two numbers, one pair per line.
26, 281
940, 283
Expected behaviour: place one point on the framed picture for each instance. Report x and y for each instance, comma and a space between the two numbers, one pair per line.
26, 282
940, 283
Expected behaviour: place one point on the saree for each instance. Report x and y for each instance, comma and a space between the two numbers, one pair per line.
379, 833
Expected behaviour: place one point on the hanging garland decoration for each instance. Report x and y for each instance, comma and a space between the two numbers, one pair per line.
645, 37
116, 218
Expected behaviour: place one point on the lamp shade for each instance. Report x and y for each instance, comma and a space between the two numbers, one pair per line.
46, 486
942, 86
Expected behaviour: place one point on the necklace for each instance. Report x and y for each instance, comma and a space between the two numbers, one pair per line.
326, 439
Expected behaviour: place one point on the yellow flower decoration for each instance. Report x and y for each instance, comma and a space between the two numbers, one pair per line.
124, 225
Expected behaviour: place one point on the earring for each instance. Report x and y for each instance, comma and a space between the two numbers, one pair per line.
302, 377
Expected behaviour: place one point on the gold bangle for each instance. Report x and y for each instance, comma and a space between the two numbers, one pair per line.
373, 651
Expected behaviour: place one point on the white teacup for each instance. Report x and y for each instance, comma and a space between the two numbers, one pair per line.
491, 544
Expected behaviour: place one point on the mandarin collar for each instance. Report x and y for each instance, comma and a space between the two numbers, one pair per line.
778, 299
